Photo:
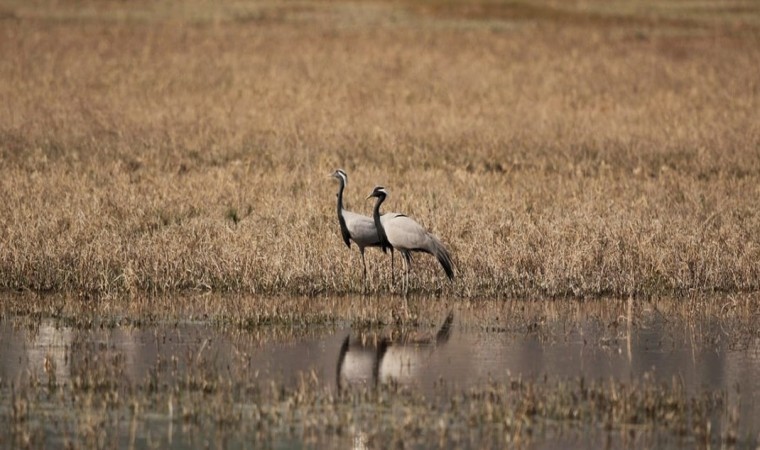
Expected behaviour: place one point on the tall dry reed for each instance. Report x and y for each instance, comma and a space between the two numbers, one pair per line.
579, 151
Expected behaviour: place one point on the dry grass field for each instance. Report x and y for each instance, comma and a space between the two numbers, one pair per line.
573, 149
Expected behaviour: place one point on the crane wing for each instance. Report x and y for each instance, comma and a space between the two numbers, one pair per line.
404, 233
361, 228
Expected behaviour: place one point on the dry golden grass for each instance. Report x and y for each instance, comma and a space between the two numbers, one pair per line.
597, 149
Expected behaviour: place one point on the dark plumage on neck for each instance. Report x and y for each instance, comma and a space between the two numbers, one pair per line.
342, 179
381, 194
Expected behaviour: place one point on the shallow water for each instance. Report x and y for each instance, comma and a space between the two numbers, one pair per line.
459, 355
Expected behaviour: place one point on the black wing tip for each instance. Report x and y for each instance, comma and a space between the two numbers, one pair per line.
445, 260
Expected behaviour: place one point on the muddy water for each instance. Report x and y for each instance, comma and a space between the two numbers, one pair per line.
458, 354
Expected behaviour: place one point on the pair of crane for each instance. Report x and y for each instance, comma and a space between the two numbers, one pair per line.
388, 231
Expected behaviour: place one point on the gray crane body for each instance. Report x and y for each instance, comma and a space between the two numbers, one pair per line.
355, 227
406, 235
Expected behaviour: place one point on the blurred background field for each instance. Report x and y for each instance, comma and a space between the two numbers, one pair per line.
172, 272
558, 148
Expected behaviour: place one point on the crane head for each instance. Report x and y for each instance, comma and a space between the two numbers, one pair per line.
340, 175
378, 192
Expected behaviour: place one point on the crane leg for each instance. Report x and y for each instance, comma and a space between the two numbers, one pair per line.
407, 266
364, 277
393, 275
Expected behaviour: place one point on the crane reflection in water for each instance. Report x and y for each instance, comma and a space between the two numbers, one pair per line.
372, 359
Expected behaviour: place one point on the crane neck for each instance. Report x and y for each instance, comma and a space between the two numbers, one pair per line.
384, 244
340, 198
341, 219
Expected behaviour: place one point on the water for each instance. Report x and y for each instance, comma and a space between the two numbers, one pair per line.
459, 354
